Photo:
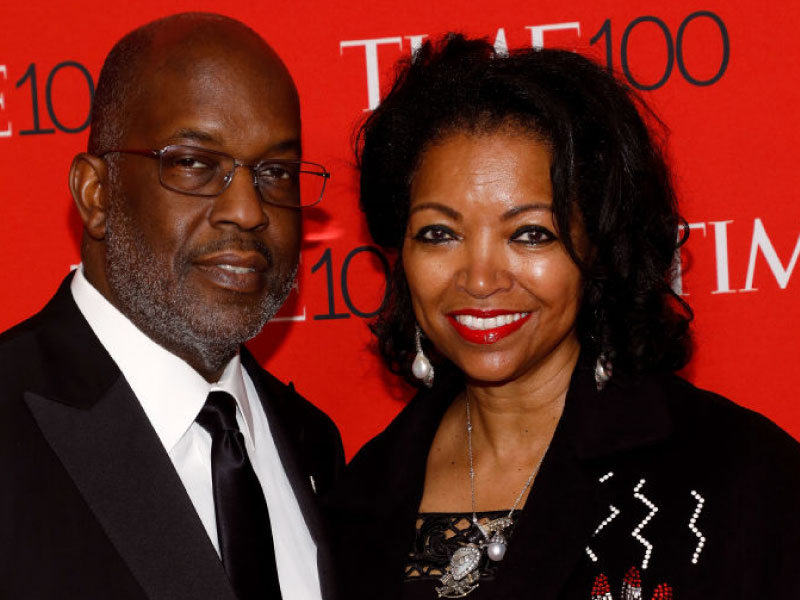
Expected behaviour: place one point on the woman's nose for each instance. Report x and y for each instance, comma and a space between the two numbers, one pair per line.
485, 271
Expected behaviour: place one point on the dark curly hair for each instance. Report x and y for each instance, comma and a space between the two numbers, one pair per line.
606, 163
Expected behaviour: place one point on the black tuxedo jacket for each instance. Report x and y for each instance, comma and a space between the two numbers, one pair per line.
90, 504
653, 448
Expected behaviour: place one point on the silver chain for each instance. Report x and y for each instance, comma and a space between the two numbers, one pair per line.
472, 474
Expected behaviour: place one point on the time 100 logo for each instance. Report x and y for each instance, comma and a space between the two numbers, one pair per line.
40, 87
30, 80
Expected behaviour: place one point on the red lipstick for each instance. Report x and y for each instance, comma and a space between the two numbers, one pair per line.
486, 336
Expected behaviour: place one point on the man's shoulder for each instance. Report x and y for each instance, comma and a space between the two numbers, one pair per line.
21, 334
21, 357
295, 402
291, 405
313, 434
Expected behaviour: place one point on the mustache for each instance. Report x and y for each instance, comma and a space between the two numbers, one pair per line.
232, 243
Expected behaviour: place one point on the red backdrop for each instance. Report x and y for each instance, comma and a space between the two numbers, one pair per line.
721, 74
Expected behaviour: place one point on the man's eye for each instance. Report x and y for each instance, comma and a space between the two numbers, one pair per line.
193, 163
533, 235
435, 234
276, 174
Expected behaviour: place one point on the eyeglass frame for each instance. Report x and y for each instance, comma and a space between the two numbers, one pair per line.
228, 178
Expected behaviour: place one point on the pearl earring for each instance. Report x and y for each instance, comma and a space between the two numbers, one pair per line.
602, 372
421, 367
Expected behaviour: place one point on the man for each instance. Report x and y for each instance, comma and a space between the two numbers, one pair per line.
143, 451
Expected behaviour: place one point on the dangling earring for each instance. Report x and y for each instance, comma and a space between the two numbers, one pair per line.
421, 367
602, 371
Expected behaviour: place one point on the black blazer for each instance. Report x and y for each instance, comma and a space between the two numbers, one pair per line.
90, 504
665, 444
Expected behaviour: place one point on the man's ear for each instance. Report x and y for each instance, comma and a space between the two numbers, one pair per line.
88, 182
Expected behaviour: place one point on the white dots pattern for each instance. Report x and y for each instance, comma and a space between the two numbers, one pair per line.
636, 533
613, 515
614, 512
701, 540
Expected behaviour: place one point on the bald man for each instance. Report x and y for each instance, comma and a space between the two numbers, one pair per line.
143, 451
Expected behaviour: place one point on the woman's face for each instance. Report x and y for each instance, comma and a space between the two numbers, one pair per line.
491, 283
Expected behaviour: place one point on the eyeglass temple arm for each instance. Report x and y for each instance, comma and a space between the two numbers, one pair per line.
148, 153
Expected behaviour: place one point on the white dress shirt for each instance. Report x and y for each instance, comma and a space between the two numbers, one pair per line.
172, 394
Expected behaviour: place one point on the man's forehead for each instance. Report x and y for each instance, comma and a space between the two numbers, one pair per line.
213, 90
215, 49
281, 143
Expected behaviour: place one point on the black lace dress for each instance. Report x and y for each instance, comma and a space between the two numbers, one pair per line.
438, 536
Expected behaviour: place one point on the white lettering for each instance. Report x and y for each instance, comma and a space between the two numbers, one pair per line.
721, 254
538, 31
500, 43
415, 41
371, 53
300, 317
677, 268
762, 242
7, 131
295, 288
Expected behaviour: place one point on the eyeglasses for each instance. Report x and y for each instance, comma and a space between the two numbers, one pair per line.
200, 172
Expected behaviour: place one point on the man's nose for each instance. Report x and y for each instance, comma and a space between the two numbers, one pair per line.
240, 204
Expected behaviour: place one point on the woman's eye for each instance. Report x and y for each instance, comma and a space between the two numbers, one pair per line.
435, 234
533, 235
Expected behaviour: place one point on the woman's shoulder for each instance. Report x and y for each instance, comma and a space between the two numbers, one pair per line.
711, 444
705, 418
390, 467
415, 424
663, 423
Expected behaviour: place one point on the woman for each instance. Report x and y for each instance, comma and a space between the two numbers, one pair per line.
551, 452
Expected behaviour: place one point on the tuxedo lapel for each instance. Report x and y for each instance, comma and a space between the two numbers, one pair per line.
91, 419
287, 434
119, 466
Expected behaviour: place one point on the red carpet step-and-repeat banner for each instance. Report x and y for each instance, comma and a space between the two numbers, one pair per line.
723, 76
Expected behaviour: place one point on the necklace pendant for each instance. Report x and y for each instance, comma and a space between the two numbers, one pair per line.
462, 574
496, 550
496, 526
496, 544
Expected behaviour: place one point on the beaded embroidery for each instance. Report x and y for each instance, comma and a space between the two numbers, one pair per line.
637, 531
631, 588
614, 512
701, 540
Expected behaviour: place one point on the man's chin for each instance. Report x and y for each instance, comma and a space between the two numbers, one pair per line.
227, 327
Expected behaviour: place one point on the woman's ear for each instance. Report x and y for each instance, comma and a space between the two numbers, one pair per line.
88, 182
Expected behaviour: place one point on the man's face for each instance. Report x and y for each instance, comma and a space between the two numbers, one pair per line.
202, 275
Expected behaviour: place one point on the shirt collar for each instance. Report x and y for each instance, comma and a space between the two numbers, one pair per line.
170, 391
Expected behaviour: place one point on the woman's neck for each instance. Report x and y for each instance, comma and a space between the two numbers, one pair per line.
521, 415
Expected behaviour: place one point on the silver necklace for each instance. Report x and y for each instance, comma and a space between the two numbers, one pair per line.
462, 574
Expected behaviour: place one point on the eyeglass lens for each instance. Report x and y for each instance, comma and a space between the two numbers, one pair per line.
205, 173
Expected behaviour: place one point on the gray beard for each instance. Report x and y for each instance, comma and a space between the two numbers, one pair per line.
152, 293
